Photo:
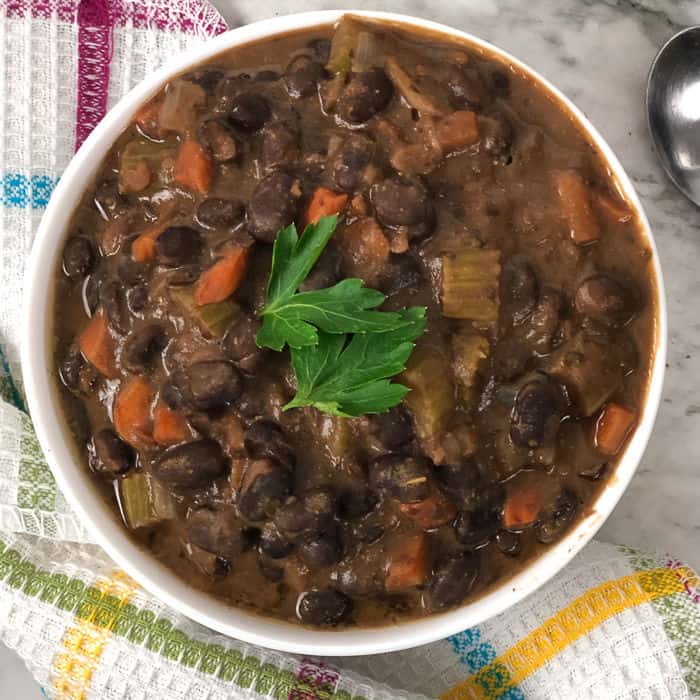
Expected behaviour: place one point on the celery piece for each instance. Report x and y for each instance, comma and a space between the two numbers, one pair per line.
213, 319
143, 501
469, 350
470, 284
431, 399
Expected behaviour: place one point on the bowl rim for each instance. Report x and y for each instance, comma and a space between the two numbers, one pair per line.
70, 475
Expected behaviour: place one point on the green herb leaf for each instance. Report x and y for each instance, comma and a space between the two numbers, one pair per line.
294, 318
351, 378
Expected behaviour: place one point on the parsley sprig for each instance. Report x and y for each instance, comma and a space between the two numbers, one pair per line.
344, 352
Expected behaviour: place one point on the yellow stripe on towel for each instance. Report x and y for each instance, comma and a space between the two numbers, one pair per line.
84, 642
562, 629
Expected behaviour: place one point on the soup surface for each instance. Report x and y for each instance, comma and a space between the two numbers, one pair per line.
461, 188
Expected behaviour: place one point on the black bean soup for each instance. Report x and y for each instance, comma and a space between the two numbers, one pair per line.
461, 186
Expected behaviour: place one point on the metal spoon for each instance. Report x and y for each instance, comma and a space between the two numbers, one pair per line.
673, 109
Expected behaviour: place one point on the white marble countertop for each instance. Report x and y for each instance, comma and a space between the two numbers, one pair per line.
598, 52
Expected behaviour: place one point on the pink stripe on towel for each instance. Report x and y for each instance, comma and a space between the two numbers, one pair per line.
95, 25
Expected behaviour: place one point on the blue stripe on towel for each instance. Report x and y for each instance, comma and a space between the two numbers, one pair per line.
23, 192
476, 653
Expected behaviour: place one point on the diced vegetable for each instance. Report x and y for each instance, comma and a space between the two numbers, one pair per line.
470, 284
97, 346
408, 564
431, 399
325, 202
611, 208
147, 118
590, 370
178, 111
456, 131
434, 511
221, 280
613, 426
131, 412
367, 250
368, 52
213, 319
469, 350
521, 508
193, 167
405, 85
342, 45
134, 175
169, 427
575, 207
143, 501
143, 247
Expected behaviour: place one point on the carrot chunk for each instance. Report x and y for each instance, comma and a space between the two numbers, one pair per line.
612, 208
193, 167
613, 426
521, 508
143, 247
97, 345
218, 282
575, 207
325, 202
434, 511
147, 118
408, 564
131, 412
169, 427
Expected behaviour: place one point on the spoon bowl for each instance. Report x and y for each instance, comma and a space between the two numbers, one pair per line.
673, 110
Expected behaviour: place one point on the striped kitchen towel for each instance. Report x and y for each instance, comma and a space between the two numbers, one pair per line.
615, 624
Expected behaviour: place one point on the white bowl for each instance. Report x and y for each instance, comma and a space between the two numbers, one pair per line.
71, 475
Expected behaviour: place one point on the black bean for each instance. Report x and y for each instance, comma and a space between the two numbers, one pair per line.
553, 525
519, 290
113, 455
357, 578
142, 346
406, 273
216, 531
477, 524
355, 502
321, 48
273, 544
183, 275
113, 301
327, 270
78, 257
216, 135
367, 94
273, 205
326, 607
208, 78
394, 428
267, 76
309, 514
219, 213
321, 550
91, 291
605, 300
240, 346
178, 245
265, 485
265, 439
137, 298
466, 88
508, 542
452, 581
191, 465
249, 111
280, 144
535, 414
302, 76
501, 82
496, 134
350, 162
403, 201
171, 395
70, 367
408, 479
133, 272
209, 384
108, 200
270, 571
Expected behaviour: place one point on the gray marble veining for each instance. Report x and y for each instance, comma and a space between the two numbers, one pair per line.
598, 52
